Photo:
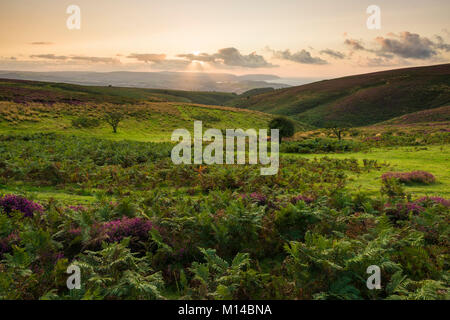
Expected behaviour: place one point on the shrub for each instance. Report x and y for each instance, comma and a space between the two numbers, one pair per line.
392, 188
410, 177
400, 211
126, 227
7, 242
437, 200
11, 202
320, 145
286, 126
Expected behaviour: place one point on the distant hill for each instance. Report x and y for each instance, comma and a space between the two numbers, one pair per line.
187, 81
441, 114
358, 100
49, 92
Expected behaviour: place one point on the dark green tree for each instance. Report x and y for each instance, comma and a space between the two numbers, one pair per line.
285, 125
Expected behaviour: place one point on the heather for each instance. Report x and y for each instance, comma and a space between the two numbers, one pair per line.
11, 203
410, 177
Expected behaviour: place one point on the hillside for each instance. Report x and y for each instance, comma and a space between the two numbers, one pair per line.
145, 121
48, 92
358, 100
441, 114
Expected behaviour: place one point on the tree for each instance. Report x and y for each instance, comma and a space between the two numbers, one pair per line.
113, 116
286, 126
337, 129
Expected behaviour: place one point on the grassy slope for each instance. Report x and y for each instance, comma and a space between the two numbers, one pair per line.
153, 122
434, 159
358, 100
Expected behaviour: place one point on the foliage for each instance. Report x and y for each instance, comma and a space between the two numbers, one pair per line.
321, 145
285, 126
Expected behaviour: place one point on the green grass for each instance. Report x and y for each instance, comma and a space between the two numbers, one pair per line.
434, 159
47, 193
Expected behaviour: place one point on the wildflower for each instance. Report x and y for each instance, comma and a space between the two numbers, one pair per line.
12, 202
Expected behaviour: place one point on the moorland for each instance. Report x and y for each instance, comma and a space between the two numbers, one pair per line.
73, 192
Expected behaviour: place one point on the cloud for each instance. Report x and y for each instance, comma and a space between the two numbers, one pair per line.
302, 56
42, 43
230, 57
96, 59
204, 57
354, 44
148, 57
76, 58
159, 61
408, 45
49, 57
441, 45
334, 54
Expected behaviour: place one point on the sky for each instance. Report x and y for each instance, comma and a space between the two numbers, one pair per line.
288, 38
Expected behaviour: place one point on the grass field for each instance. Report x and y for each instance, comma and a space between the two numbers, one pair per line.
434, 159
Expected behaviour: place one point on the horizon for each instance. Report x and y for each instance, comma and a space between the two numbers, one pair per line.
213, 37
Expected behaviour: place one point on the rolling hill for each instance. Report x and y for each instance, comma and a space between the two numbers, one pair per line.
441, 114
358, 100
49, 92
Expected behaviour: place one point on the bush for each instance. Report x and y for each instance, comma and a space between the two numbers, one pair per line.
117, 230
433, 200
286, 126
422, 177
11, 202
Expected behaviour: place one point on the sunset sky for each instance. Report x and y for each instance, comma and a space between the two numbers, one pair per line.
288, 38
